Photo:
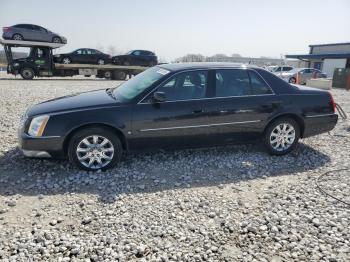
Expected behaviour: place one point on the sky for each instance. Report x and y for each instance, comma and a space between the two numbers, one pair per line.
174, 28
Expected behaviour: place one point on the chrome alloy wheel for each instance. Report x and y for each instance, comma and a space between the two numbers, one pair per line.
17, 37
66, 60
95, 151
282, 137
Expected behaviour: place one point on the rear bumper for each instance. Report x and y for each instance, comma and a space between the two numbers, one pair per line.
41, 146
318, 124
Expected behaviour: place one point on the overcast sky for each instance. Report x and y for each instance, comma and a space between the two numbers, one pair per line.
175, 28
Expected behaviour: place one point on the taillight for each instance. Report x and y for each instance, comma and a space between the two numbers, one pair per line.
332, 102
6, 29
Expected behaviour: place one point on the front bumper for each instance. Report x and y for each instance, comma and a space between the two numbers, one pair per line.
49, 146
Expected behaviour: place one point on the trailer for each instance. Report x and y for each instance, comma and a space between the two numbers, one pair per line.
40, 63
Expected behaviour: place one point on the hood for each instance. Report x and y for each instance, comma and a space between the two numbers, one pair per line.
91, 99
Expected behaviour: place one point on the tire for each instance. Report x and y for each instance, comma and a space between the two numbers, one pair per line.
101, 62
292, 80
66, 60
17, 37
27, 73
94, 153
107, 75
284, 141
151, 63
57, 40
119, 75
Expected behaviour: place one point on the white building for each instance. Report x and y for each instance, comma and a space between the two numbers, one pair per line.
326, 57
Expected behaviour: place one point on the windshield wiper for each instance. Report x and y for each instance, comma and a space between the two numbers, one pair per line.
109, 91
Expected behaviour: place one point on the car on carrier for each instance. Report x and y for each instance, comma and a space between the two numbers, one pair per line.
30, 32
176, 106
136, 57
83, 56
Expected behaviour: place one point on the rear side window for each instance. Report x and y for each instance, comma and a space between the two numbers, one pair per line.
24, 26
232, 82
237, 82
258, 85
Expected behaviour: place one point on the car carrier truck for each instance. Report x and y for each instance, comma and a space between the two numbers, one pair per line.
40, 63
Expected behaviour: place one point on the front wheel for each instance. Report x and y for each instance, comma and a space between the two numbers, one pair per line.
101, 62
66, 60
27, 73
56, 40
281, 136
94, 148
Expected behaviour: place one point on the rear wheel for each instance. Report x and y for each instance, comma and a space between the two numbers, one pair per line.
17, 37
95, 148
57, 40
101, 62
292, 80
66, 60
27, 73
281, 136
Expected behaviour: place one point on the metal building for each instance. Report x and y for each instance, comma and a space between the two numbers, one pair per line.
326, 57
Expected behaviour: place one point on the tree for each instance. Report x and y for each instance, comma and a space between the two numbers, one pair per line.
191, 58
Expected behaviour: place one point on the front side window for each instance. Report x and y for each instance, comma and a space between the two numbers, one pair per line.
185, 86
136, 85
81, 52
136, 53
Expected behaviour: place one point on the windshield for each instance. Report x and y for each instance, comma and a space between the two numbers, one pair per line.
136, 85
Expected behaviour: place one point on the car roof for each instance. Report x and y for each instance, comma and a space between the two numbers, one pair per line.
203, 65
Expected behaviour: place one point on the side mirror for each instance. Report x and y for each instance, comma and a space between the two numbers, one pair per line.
159, 97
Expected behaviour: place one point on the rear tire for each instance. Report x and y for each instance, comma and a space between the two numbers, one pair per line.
66, 60
17, 37
101, 62
27, 73
91, 155
281, 136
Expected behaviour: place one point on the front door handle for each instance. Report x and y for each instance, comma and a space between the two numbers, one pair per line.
197, 111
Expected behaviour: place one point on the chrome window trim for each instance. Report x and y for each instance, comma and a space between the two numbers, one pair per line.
321, 115
195, 126
206, 98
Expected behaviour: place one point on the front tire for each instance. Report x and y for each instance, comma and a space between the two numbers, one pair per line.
27, 73
94, 148
56, 40
281, 136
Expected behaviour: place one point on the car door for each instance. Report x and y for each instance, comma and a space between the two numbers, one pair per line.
135, 58
180, 121
305, 75
79, 56
26, 31
39, 34
90, 56
241, 106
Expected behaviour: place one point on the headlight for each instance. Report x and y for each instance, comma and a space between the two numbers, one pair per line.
37, 125
15, 64
57, 55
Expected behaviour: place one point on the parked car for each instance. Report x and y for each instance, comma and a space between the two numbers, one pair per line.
29, 32
83, 56
136, 57
304, 75
176, 106
281, 69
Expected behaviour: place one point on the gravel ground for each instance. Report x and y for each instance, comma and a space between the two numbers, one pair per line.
235, 203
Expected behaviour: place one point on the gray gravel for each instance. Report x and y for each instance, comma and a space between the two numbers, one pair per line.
235, 203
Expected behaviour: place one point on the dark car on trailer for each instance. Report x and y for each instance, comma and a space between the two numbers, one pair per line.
29, 32
136, 57
176, 106
83, 56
